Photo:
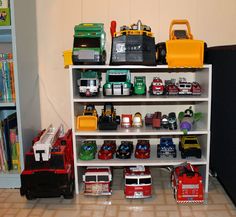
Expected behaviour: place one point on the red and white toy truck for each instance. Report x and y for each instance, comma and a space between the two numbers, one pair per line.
97, 181
138, 182
187, 184
157, 86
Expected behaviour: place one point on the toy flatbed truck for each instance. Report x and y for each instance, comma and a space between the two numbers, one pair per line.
51, 175
89, 44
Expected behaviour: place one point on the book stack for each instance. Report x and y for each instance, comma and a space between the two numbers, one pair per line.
9, 144
7, 85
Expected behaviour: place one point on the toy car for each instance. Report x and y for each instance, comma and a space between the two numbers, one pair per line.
185, 88
170, 87
51, 177
118, 83
140, 85
156, 120
156, 87
97, 181
187, 184
88, 150
126, 120
196, 88
107, 150
166, 147
137, 120
164, 122
172, 121
142, 150
189, 146
108, 120
148, 119
125, 150
138, 182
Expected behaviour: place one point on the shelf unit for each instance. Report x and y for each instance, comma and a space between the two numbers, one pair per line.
23, 88
144, 104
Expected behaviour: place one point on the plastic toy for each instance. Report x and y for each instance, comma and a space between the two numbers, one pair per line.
148, 119
170, 87
142, 150
107, 150
108, 120
185, 88
172, 121
140, 85
88, 150
156, 120
138, 182
125, 150
49, 173
156, 87
89, 83
187, 184
189, 146
164, 122
126, 120
118, 82
89, 44
97, 181
188, 118
166, 147
133, 45
87, 121
196, 88
137, 120
181, 49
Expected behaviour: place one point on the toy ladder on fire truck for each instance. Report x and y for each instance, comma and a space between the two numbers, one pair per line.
42, 148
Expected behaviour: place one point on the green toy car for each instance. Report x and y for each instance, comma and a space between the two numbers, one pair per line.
140, 85
88, 150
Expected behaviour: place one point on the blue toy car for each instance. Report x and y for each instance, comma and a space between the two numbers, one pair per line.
125, 150
166, 147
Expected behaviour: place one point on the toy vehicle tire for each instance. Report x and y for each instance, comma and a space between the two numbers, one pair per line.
180, 148
103, 58
174, 155
69, 194
117, 119
183, 155
29, 195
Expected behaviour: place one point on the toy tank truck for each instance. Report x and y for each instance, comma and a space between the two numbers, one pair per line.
133, 45
89, 44
49, 167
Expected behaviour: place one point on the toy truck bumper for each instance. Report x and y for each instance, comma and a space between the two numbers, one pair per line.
87, 57
117, 91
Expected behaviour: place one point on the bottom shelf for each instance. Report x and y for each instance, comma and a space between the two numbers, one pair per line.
10, 180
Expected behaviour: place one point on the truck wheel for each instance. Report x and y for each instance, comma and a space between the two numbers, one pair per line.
69, 194
29, 196
183, 155
104, 56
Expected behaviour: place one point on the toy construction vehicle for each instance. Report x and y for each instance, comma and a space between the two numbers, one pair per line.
89, 44
87, 121
181, 49
187, 184
49, 166
133, 45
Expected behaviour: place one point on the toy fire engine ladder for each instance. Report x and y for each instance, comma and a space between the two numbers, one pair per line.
42, 148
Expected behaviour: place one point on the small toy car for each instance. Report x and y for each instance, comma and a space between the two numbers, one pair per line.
172, 121
189, 146
107, 150
156, 87
108, 120
125, 150
156, 120
137, 120
166, 147
126, 120
164, 122
148, 119
170, 87
140, 85
142, 150
196, 88
187, 184
185, 88
88, 150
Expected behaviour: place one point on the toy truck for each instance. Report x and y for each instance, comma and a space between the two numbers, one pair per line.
187, 184
139, 85
166, 147
97, 181
118, 83
49, 170
138, 182
157, 86
89, 44
89, 83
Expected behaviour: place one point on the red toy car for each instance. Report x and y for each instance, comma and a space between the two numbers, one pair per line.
107, 150
142, 150
170, 87
156, 120
187, 184
126, 120
157, 87
196, 88
148, 119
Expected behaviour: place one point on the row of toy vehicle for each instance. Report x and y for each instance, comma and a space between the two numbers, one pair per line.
118, 83
186, 182
109, 120
135, 44
188, 146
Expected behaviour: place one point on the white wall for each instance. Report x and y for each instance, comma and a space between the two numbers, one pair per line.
211, 20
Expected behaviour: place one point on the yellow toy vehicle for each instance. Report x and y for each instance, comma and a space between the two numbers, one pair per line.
181, 49
87, 121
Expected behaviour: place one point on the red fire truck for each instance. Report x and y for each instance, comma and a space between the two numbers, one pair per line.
157, 86
138, 182
97, 181
187, 184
